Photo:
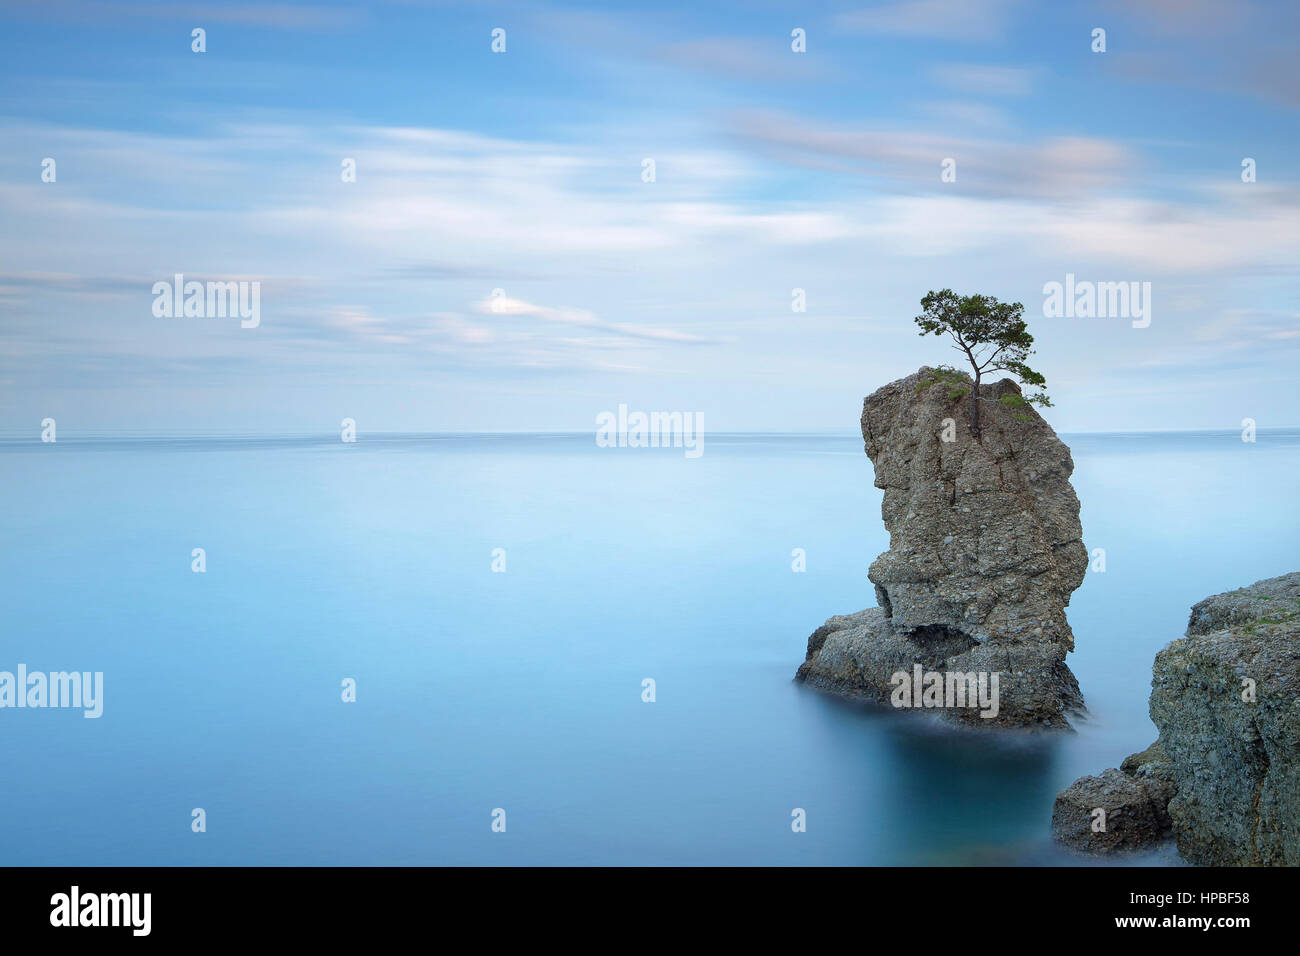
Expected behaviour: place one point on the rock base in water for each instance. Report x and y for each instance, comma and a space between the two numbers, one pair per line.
985, 550
1125, 809
860, 655
1226, 701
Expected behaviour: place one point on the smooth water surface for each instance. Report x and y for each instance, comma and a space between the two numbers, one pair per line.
522, 690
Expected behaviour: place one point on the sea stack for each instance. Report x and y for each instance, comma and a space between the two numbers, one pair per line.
985, 549
1224, 775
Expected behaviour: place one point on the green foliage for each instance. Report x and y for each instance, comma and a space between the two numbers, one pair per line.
1279, 617
991, 334
958, 383
1016, 403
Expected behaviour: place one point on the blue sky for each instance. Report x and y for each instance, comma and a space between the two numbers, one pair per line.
522, 171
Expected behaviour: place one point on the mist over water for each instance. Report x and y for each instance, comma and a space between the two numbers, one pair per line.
522, 690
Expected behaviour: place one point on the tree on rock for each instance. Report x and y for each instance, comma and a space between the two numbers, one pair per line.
993, 337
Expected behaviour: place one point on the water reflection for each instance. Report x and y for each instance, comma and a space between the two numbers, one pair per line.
938, 795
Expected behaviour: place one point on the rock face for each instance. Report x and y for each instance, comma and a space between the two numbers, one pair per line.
1227, 764
985, 550
1236, 762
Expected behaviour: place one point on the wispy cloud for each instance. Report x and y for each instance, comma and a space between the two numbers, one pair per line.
975, 79
775, 172
767, 60
968, 115
280, 16
971, 20
1055, 168
506, 306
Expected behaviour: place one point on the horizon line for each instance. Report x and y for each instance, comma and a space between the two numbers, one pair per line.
15, 437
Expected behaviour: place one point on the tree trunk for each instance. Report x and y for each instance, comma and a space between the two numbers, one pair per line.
975, 406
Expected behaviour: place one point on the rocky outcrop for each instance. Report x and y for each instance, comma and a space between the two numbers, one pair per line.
1226, 701
1125, 809
984, 535
985, 551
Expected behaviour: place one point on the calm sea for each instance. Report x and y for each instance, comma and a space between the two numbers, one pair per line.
522, 689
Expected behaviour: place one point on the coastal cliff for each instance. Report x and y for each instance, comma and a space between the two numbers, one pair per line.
1224, 776
985, 551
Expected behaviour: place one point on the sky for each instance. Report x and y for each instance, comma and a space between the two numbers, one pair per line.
503, 263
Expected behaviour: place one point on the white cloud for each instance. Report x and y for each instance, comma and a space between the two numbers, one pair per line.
506, 306
708, 254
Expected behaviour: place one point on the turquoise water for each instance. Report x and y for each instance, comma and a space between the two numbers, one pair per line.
522, 690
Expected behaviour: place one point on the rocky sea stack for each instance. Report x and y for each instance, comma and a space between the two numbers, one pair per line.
1224, 775
985, 549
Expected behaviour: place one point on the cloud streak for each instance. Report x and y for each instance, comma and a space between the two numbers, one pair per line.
969, 20
506, 306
